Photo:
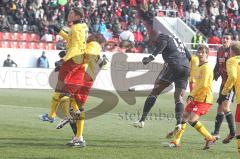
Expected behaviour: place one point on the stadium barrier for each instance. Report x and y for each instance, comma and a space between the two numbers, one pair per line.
123, 72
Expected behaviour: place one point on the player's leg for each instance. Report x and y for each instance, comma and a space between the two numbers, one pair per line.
229, 117
177, 137
163, 81
218, 121
237, 121
198, 110
180, 79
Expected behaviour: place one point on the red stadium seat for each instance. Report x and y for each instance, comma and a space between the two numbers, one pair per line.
24, 45
1, 34
14, 44
33, 45
25, 37
5, 44
6, 36
42, 45
34, 37
51, 46
15, 36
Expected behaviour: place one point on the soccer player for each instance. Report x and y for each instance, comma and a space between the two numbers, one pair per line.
76, 43
79, 82
233, 80
175, 70
200, 101
223, 55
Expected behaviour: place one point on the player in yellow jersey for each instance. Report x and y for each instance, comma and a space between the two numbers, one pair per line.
233, 80
79, 82
200, 101
76, 43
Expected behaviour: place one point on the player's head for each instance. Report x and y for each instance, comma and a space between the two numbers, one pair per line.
96, 37
75, 14
235, 48
227, 39
202, 53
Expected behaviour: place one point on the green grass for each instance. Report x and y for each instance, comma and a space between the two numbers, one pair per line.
109, 136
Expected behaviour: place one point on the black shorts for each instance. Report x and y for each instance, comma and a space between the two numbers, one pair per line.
230, 96
176, 74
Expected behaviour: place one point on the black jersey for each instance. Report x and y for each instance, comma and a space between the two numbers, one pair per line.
172, 50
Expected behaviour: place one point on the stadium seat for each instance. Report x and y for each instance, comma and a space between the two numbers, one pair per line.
5, 44
1, 34
51, 46
25, 37
42, 45
15, 36
14, 44
6, 36
34, 37
24, 45
33, 45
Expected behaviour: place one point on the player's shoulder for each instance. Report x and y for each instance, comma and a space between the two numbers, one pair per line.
93, 48
233, 60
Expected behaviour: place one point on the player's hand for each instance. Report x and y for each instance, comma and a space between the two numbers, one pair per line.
59, 64
221, 99
190, 99
57, 28
148, 59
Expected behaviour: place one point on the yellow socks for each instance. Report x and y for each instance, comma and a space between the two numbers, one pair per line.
54, 104
238, 144
202, 130
80, 125
180, 133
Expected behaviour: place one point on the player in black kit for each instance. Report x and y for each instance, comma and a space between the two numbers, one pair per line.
175, 70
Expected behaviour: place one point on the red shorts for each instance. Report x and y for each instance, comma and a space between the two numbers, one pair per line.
237, 113
198, 108
67, 67
78, 83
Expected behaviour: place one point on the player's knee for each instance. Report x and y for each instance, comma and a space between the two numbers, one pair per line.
56, 96
192, 122
65, 99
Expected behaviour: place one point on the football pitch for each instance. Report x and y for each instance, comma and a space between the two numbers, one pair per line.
109, 136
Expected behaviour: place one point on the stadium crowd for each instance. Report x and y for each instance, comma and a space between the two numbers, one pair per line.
112, 17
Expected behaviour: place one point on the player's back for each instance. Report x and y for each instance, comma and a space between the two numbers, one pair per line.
174, 53
234, 63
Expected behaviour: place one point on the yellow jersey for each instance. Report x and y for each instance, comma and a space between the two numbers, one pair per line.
202, 91
76, 41
91, 56
233, 72
193, 68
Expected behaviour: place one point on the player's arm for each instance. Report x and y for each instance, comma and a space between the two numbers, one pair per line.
232, 76
64, 35
161, 45
216, 74
203, 83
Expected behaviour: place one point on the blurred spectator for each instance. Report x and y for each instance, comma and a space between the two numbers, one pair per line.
116, 27
5, 25
138, 38
141, 26
42, 61
47, 37
132, 27
103, 30
60, 45
145, 41
9, 62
